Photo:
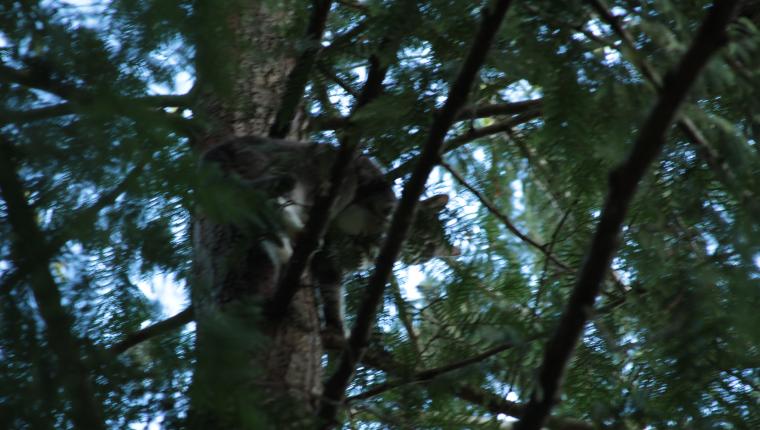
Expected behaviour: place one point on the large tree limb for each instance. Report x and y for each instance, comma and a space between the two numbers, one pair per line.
86, 411
335, 387
623, 182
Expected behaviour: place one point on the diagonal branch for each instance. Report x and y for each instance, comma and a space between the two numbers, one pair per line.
123, 105
623, 182
153, 330
39, 77
335, 387
299, 75
77, 98
86, 411
685, 124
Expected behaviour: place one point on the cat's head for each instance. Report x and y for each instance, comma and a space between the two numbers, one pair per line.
427, 236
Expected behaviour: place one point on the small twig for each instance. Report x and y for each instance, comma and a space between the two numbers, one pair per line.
549, 250
503, 218
403, 315
351, 91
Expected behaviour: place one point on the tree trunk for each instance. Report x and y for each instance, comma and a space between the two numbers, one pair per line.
246, 364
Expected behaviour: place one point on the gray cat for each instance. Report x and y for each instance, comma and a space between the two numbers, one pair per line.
290, 175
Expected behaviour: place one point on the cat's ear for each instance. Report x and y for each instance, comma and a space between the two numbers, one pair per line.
435, 203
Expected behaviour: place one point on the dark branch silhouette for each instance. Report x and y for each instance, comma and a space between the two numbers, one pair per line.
335, 387
153, 330
623, 182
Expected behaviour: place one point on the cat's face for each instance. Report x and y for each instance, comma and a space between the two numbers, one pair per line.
427, 237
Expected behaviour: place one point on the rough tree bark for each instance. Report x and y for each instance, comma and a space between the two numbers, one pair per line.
246, 363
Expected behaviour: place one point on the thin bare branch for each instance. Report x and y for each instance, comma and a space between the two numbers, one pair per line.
427, 375
486, 202
404, 317
492, 16
623, 182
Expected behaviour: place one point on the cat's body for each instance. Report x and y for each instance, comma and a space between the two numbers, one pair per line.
293, 174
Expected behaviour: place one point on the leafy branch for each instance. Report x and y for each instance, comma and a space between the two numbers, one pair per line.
85, 216
685, 124
86, 411
623, 182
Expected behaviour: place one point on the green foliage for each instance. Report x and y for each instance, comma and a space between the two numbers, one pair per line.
109, 169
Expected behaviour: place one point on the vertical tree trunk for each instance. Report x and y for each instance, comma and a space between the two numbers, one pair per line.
245, 362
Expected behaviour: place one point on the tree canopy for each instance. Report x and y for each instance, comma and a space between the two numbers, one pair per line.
601, 159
